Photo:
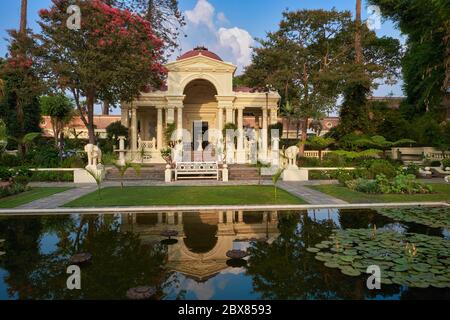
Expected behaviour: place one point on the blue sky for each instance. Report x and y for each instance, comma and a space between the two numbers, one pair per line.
227, 27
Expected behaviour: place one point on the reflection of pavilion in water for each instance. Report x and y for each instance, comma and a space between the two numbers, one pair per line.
204, 238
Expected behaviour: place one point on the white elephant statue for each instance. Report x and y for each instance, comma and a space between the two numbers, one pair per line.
94, 155
291, 154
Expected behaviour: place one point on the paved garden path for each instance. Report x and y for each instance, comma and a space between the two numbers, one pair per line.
309, 195
59, 199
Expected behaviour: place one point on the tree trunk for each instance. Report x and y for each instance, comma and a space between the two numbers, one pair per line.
23, 17
304, 136
358, 46
90, 118
105, 108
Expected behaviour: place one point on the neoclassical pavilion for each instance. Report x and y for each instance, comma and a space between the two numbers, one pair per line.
199, 96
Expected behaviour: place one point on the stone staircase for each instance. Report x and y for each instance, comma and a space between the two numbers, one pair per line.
148, 172
243, 172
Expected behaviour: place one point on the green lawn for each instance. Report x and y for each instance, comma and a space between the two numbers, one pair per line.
29, 196
146, 196
441, 193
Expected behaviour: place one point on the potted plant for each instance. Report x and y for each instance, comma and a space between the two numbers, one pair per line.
167, 155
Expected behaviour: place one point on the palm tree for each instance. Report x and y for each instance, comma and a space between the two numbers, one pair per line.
275, 178
123, 169
23, 16
26, 141
358, 45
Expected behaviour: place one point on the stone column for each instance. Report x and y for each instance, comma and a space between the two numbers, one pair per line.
241, 216
160, 218
220, 118
159, 129
240, 141
170, 117
229, 112
229, 217
134, 127
125, 117
220, 216
273, 115
171, 218
179, 122
122, 159
264, 135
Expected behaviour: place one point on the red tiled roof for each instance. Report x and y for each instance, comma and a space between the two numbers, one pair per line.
199, 51
101, 122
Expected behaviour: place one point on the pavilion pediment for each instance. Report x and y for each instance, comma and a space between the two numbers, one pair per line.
200, 64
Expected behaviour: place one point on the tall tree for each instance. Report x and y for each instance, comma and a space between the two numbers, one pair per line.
23, 16
111, 58
426, 64
20, 107
307, 60
60, 110
367, 66
165, 18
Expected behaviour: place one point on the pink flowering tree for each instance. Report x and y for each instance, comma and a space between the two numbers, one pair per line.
111, 58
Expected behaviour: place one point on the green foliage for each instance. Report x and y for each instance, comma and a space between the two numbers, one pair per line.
58, 107
115, 56
115, 130
98, 180
384, 167
19, 107
400, 184
446, 163
369, 153
3, 136
52, 176
169, 133
275, 178
123, 170
426, 60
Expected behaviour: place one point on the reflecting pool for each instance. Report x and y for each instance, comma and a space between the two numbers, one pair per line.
132, 250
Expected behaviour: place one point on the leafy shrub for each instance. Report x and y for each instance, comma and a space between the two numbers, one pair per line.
75, 161
9, 160
346, 175
319, 175
446, 162
435, 163
12, 190
402, 183
411, 169
43, 157
5, 174
309, 162
52, 176
21, 175
363, 185
381, 167
335, 160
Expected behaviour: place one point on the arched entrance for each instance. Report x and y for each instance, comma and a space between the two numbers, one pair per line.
200, 112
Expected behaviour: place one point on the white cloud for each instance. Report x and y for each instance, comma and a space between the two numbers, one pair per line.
222, 19
203, 13
231, 44
240, 42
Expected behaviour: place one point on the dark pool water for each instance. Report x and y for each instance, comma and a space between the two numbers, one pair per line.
127, 252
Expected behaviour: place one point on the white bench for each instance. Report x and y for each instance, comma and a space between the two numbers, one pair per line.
196, 170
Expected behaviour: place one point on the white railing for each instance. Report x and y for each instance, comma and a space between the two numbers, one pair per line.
314, 154
147, 145
437, 155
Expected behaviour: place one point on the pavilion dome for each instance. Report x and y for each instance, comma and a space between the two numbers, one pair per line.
199, 51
